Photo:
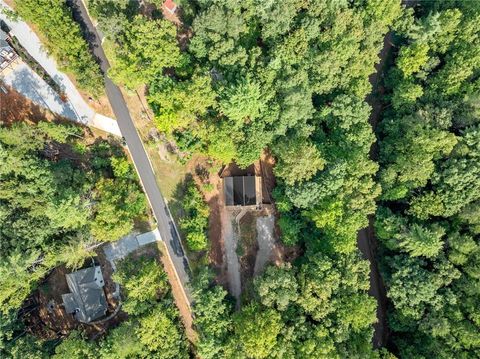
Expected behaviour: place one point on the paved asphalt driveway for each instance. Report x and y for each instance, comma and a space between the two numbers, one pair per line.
141, 161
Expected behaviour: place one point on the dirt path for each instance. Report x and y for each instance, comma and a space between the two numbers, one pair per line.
178, 294
266, 242
233, 265
367, 242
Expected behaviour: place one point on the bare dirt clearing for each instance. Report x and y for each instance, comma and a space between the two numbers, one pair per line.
14, 107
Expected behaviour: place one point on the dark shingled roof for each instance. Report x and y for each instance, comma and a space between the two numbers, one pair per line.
87, 300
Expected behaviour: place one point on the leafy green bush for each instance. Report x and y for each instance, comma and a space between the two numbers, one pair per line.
195, 222
143, 281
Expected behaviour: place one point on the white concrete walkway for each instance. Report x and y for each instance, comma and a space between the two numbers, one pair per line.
230, 238
79, 111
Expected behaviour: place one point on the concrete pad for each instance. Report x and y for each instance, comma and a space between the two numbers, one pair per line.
106, 124
24, 80
149, 237
121, 248
266, 242
128, 244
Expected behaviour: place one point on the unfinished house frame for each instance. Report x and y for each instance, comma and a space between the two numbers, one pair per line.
243, 191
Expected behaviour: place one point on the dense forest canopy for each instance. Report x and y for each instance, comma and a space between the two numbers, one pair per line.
428, 220
239, 78
55, 203
290, 77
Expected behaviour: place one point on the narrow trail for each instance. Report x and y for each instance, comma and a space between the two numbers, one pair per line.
367, 242
233, 265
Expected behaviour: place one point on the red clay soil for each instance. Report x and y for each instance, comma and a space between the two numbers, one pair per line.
171, 17
178, 295
53, 323
15, 108
232, 170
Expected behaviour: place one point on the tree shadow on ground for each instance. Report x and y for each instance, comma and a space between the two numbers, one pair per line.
16, 108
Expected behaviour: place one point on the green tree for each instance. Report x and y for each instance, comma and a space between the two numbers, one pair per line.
413, 287
27, 347
122, 343
213, 316
243, 102
159, 334
298, 160
144, 49
416, 239
144, 282
412, 58
195, 222
75, 346
218, 30
409, 151
257, 330
119, 201
177, 105
277, 287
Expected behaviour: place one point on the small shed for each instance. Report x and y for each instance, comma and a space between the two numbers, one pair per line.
242, 190
87, 300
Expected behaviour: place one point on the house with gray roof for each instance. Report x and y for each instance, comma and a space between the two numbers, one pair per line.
87, 300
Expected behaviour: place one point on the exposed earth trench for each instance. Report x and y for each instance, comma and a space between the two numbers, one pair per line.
367, 242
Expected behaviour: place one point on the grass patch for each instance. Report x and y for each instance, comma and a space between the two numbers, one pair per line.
169, 174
